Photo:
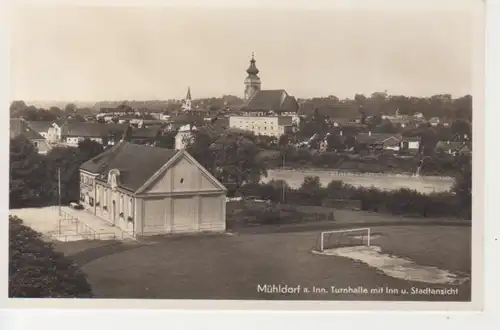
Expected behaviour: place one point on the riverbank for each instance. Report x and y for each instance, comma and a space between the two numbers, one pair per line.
383, 181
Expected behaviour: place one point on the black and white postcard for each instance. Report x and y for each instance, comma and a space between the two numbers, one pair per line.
191, 156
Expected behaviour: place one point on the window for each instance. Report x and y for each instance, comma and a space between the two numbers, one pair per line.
105, 201
131, 207
98, 195
121, 204
91, 201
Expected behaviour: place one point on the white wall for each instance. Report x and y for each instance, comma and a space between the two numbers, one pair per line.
257, 124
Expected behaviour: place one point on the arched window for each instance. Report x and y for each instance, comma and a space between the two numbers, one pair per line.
121, 204
131, 207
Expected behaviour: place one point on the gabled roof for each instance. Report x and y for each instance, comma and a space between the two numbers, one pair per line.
411, 139
377, 137
276, 100
136, 163
40, 126
20, 126
145, 132
80, 129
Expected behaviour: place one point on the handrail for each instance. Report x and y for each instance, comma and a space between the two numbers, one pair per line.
82, 229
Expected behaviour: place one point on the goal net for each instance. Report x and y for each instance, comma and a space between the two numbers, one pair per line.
344, 237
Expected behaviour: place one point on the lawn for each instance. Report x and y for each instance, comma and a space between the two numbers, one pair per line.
232, 266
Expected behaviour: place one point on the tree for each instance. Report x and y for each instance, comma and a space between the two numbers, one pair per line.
350, 142
166, 140
311, 191
70, 108
17, 107
55, 111
89, 149
462, 186
235, 158
37, 271
26, 173
283, 141
67, 161
461, 128
334, 142
387, 127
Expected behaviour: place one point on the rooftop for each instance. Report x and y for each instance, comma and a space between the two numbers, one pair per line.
20, 126
136, 163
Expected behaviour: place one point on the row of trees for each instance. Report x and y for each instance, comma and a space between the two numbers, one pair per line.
19, 109
441, 105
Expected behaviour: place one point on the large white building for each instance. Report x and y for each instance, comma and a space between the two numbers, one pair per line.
262, 125
150, 191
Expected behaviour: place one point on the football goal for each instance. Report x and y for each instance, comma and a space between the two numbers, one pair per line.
343, 237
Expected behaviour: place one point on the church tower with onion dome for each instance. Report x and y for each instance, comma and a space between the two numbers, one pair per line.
252, 81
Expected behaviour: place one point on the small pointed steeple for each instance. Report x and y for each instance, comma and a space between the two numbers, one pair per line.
252, 69
186, 106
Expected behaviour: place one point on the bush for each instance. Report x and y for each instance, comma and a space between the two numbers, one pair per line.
37, 271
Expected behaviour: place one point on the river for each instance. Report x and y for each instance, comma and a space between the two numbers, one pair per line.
423, 184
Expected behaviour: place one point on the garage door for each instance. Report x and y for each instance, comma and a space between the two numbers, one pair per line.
184, 214
211, 213
154, 216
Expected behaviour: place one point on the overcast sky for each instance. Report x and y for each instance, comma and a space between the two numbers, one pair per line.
99, 53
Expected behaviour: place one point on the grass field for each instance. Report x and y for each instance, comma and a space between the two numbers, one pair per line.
232, 266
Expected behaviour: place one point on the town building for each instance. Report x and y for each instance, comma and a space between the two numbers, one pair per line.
150, 191
50, 130
260, 125
410, 143
107, 134
379, 141
74, 133
20, 127
184, 136
264, 112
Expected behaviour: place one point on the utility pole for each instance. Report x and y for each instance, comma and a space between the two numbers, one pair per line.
283, 185
59, 188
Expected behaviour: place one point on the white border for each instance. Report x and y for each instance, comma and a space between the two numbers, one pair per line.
246, 320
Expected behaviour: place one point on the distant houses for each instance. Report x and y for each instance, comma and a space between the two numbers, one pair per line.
20, 127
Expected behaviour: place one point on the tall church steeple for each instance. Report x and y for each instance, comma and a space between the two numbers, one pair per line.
252, 81
187, 101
